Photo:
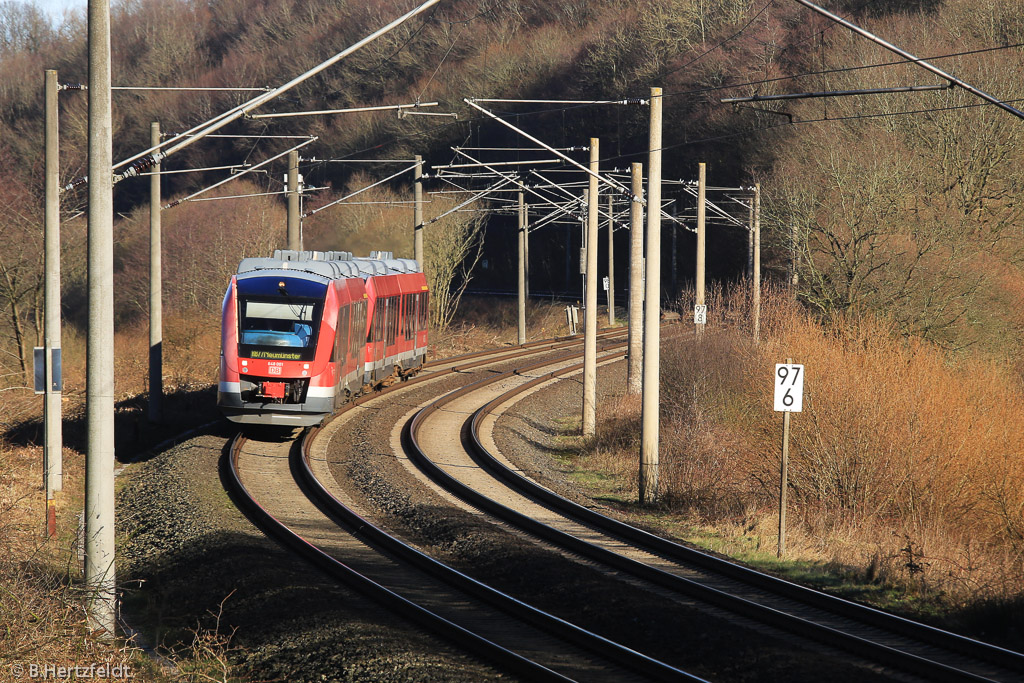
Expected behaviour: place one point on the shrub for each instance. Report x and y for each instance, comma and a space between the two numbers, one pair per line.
903, 463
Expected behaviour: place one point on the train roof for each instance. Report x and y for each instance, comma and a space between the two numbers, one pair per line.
333, 265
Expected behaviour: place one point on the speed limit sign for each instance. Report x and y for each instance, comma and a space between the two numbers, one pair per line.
789, 388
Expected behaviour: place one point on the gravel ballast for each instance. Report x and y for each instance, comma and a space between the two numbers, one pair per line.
185, 550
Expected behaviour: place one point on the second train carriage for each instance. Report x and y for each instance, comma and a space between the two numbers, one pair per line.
303, 331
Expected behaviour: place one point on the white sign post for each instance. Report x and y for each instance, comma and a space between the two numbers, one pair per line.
789, 398
700, 314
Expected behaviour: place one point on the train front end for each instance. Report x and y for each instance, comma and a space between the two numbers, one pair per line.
276, 353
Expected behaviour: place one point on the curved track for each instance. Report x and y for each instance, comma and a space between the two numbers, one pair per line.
486, 481
271, 481
523, 640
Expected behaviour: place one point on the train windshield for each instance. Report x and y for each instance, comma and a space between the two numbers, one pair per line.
281, 328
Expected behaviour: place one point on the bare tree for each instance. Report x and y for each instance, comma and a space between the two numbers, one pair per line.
452, 247
21, 266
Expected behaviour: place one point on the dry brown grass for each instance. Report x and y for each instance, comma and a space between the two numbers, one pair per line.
904, 465
922, 454
42, 607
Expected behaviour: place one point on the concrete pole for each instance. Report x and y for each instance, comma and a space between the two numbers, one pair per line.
590, 303
675, 255
757, 262
568, 259
156, 307
701, 238
750, 240
611, 259
634, 373
521, 270
526, 247
53, 456
583, 251
294, 231
649, 437
417, 212
100, 570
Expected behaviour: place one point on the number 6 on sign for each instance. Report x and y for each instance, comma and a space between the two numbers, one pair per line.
789, 388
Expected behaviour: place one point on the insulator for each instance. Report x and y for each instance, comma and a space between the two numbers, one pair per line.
76, 182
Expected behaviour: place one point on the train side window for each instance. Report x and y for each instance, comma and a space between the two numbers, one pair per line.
410, 321
358, 324
392, 319
416, 312
400, 317
358, 342
358, 345
377, 333
344, 322
405, 316
353, 340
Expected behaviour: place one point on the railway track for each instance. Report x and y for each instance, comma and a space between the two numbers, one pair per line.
270, 480
481, 477
478, 475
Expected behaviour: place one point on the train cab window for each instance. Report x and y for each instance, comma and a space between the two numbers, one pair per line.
277, 328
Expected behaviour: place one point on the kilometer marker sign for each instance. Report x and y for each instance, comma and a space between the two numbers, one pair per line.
789, 398
789, 388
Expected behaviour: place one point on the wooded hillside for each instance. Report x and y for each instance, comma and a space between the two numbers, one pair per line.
903, 205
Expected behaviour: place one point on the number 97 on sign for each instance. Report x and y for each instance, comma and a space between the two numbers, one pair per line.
789, 388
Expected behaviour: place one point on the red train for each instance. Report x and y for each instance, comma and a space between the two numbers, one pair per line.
304, 331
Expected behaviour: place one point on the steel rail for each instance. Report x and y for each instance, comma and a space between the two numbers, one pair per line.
560, 628
350, 577
516, 663
863, 647
510, 353
923, 633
